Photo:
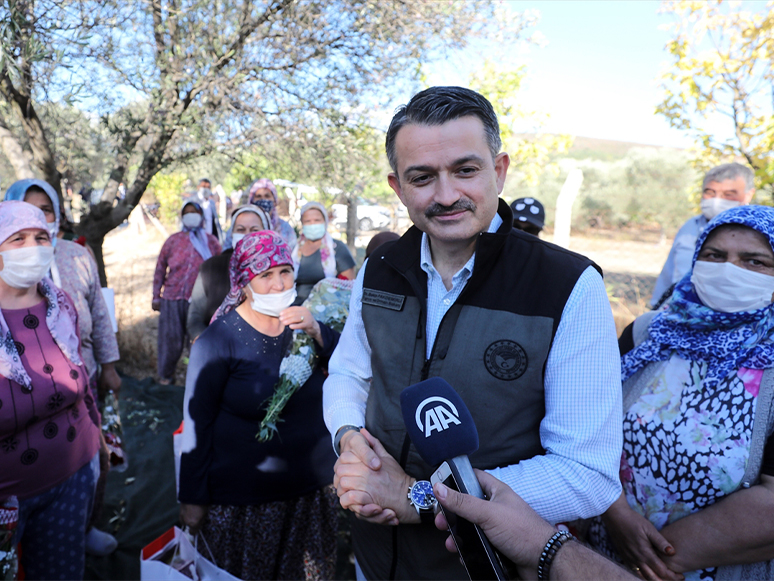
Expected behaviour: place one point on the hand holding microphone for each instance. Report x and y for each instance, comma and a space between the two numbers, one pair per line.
443, 432
508, 522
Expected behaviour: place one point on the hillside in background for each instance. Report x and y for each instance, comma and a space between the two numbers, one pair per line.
606, 149
602, 149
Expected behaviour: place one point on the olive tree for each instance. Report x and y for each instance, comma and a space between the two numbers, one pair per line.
173, 80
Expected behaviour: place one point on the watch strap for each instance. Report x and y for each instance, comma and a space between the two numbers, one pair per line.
427, 516
340, 434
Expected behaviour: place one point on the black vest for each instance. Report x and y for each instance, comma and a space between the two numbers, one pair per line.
492, 347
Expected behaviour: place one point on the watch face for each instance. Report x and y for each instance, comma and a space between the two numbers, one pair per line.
422, 495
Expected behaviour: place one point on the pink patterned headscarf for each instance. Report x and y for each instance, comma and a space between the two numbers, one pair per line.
254, 254
16, 215
60, 313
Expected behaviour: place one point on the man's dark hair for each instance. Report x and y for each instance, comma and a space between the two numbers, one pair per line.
436, 106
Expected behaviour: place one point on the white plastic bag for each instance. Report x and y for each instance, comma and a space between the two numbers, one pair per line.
173, 557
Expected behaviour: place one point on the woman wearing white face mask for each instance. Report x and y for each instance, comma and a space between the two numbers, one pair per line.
212, 284
317, 255
176, 270
266, 509
75, 271
49, 423
698, 461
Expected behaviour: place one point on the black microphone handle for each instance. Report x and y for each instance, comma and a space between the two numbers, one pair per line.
465, 477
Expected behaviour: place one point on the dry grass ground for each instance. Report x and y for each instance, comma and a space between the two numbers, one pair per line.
631, 262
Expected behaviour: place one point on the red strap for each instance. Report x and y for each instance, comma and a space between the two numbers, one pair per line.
155, 546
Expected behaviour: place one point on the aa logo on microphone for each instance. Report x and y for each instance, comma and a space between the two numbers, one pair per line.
436, 417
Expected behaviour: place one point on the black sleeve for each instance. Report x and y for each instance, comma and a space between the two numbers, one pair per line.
626, 340
344, 260
768, 457
205, 380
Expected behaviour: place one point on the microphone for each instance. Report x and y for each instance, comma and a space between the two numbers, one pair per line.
442, 430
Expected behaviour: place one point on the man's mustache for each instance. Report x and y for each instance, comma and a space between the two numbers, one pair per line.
437, 209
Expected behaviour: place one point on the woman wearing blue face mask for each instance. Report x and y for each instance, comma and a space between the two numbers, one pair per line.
698, 459
317, 254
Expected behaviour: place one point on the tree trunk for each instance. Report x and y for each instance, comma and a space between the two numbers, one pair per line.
352, 222
14, 153
43, 162
95, 243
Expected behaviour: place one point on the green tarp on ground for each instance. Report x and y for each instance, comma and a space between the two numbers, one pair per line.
140, 503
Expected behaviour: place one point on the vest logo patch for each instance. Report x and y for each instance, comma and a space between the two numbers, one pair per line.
505, 360
383, 299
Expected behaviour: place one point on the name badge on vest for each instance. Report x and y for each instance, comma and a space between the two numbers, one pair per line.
383, 299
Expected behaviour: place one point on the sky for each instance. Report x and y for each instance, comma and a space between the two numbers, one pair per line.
598, 74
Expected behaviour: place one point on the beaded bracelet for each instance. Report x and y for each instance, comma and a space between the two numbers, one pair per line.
549, 552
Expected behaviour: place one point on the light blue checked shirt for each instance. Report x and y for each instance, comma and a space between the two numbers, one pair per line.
581, 431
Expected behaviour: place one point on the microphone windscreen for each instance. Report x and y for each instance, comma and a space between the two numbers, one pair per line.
438, 421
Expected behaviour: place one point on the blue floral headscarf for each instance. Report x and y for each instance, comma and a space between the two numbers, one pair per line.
725, 341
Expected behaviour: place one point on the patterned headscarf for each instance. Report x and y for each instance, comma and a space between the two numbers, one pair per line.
725, 341
18, 190
197, 236
267, 184
253, 254
260, 212
327, 251
60, 313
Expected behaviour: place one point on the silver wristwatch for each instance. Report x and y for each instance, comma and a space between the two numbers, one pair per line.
421, 497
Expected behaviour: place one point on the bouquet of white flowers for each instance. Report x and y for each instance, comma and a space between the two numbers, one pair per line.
329, 304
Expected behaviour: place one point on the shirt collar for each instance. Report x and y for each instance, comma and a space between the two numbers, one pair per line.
426, 258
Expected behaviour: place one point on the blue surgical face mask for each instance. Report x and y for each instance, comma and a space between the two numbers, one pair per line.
314, 231
265, 205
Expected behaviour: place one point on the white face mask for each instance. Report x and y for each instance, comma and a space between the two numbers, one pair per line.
727, 288
711, 207
192, 220
236, 238
25, 267
273, 304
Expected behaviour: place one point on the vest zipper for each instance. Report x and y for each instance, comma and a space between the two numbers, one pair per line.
426, 367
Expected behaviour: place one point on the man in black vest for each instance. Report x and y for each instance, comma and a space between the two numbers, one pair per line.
522, 329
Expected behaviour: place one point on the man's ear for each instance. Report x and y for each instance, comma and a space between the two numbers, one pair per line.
749, 195
501, 163
392, 179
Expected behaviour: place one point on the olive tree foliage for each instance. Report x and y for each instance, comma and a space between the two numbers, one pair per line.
173, 80
343, 159
720, 86
530, 149
642, 187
